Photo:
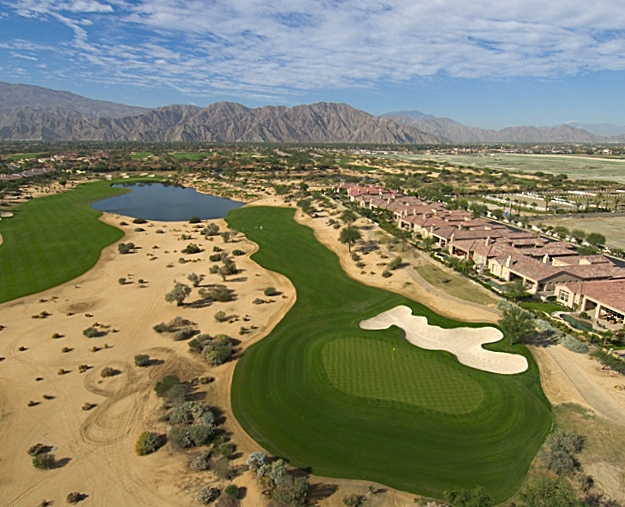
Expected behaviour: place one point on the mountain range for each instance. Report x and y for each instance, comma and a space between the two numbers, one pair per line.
570, 132
35, 113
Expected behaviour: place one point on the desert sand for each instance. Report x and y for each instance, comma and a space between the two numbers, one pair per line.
96, 447
465, 343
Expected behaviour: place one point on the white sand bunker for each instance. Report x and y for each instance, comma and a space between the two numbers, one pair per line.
465, 343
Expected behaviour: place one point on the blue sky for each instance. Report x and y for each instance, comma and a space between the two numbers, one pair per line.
486, 63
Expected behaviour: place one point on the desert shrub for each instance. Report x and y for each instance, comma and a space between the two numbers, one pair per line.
74, 497
148, 442
395, 263
270, 291
160, 328
214, 269
91, 332
561, 448
190, 436
184, 334
291, 491
108, 372
258, 301
217, 248
178, 294
217, 293
201, 462
256, 460
82, 368
220, 316
159, 231
178, 322
44, 461
199, 342
210, 230
218, 355
122, 223
215, 257
121, 281
355, 256
225, 236
124, 248
192, 413
222, 469
360, 264
36, 449
195, 279
232, 491
191, 248
142, 360
139, 229
208, 494
386, 273
166, 383
139, 220
238, 252
227, 450
195, 220
56, 336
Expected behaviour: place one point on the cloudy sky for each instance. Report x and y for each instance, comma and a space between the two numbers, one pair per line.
487, 63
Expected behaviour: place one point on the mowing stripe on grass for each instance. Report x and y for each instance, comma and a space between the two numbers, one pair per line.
283, 396
372, 369
53, 239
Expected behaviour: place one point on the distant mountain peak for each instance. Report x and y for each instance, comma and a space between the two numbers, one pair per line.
415, 115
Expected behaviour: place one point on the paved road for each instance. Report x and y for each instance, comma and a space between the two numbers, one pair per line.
593, 394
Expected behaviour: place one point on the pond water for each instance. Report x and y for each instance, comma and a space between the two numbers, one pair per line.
166, 203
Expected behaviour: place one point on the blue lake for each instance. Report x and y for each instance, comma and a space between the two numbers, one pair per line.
166, 203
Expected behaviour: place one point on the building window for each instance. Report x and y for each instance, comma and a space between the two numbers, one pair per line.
563, 296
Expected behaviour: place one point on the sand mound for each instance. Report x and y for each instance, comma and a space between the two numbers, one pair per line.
463, 342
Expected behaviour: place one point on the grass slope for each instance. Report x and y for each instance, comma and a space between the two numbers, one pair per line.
286, 397
53, 239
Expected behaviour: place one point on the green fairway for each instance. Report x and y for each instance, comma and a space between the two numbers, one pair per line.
191, 155
329, 396
53, 239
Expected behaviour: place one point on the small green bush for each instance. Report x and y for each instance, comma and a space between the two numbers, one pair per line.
44, 461
238, 252
142, 360
270, 291
139, 220
191, 248
108, 372
220, 316
91, 332
148, 442
232, 491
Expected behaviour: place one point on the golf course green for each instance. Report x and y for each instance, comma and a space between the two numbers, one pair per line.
345, 402
53, 239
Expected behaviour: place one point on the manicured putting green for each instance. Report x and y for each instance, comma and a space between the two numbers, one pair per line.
372, 369
328, 396
53, 239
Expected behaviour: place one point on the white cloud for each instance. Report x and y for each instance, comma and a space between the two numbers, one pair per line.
262, 47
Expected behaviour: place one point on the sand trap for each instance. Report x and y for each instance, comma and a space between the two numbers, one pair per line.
463, 342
